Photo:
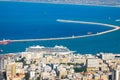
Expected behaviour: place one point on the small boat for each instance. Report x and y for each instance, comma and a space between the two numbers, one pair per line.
89, 33
73, 36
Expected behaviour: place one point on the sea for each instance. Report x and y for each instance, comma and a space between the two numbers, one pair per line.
28, 20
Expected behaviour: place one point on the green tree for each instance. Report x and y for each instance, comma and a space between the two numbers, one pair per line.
79, 69
27, 75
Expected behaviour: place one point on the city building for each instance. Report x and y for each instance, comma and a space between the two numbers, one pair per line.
58, 63
109, 56
116, 73
3, 63
10, 71
92, 64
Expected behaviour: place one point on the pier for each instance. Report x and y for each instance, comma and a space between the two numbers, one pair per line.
71, 37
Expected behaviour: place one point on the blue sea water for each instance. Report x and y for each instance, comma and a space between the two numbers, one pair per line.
21, 20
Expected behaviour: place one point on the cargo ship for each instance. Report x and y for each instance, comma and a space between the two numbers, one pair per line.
4, 42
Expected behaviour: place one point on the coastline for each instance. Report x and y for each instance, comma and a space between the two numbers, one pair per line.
73, 37
45, 2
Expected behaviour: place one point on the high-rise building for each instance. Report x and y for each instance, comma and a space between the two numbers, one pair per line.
3, 63
10, 71
4, 60
116, 73
32, 75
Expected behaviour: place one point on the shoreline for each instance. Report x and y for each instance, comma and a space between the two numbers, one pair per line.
43, 2
74, 37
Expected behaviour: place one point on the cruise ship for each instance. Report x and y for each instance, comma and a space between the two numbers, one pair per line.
52, 50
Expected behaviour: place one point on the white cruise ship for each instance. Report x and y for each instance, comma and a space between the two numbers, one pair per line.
52, 50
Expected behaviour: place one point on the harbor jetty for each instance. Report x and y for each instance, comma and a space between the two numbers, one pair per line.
71, 37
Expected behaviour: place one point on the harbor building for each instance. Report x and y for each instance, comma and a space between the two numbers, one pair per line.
109, 56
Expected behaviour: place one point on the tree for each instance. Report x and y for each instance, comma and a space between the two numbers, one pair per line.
27, 75
80, 69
